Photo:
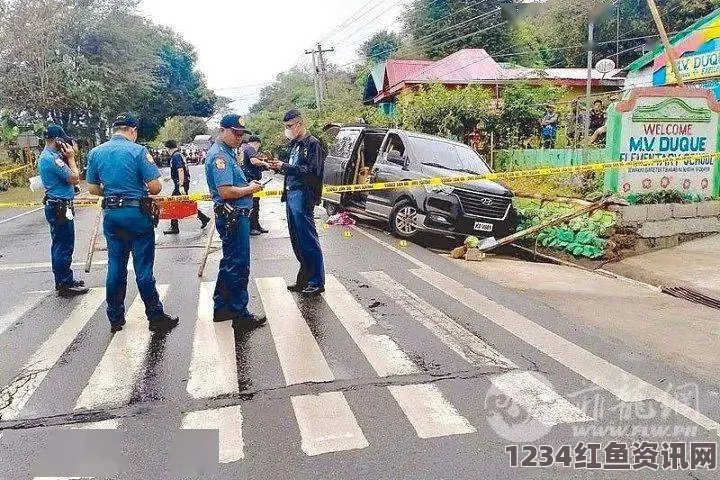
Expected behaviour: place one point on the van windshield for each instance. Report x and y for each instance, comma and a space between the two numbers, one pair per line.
448, 156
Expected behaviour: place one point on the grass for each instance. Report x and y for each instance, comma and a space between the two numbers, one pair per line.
20, 195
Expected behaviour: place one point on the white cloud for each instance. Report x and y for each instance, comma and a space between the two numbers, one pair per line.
242, 44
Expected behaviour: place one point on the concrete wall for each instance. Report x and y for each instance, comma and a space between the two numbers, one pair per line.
664, 226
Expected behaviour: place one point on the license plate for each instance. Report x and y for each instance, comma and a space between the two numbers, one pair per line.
483, 227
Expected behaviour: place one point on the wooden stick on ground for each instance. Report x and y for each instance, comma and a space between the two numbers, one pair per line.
208, 247
93, 239
491, 243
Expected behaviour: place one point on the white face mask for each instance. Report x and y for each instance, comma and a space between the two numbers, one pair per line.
289, 135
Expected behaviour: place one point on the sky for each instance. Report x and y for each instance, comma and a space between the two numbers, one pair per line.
243, 45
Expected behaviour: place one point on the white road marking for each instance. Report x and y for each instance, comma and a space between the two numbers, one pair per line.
458, 338
625, 386
327, 424
228, 422
21, 215
405, 255
213, 365
15, 395
116, 375
424, 405
538, 399
300, 356
33, 299
430, 414
12, 267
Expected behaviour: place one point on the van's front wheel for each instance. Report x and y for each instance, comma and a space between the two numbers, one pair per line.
403, 219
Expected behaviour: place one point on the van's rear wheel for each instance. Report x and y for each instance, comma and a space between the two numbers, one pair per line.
403, 219
331, 208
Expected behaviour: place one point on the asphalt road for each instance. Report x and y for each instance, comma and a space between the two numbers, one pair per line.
408, 367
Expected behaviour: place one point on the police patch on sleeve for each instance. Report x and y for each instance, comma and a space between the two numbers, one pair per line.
149, 157
220, 163
59, 162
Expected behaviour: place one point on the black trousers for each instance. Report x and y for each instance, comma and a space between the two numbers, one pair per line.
174, 224
255, 215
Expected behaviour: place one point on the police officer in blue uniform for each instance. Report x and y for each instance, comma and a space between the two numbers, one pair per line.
302, 192
59, 174
123, 172
180, 174
232, 197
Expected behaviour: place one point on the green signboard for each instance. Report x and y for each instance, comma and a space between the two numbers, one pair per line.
665, 123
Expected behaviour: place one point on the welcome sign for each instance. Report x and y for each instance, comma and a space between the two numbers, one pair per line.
696, 67
665, 123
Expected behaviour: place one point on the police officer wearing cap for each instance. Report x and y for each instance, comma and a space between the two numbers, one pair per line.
59, 174
232, 196
123, 172
180, 174
302, 192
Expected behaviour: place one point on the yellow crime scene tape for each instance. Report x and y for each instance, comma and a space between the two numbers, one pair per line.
434, 181
13, 170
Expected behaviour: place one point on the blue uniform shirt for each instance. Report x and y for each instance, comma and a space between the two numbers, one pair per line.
122, 167
54, 173
176, 163
222, 169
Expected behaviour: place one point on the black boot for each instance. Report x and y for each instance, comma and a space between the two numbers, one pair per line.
204, 220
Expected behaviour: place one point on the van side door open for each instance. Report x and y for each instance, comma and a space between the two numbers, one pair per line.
390, 166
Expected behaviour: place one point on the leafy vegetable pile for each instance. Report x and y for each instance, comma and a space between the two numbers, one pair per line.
583, 236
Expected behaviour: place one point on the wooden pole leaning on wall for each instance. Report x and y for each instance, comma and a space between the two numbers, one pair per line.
669, 49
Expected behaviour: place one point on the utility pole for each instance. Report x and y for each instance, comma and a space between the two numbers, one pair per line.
319, 73
669, 50
591, 31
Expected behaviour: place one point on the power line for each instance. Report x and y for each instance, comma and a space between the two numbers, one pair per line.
393, 5
350, 19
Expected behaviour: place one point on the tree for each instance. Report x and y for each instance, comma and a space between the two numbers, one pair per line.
182, 129
439, 28
437, 110
293, 88
521, 109
81, 62
380, 46
555, 32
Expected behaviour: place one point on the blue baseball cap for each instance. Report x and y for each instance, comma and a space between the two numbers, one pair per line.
126, 120
233, 121
292, 115
56, 131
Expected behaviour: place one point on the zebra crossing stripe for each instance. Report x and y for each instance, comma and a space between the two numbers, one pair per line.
213, 364
456, 337
8, 320
115, 377
539, 400
300, 356
424, 405
15, 395
624, 385
228, 422
326, 422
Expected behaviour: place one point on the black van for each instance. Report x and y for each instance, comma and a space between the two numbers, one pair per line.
364, 154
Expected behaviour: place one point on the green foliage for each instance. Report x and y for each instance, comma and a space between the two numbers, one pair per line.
441, 27
88, 61
9, 130
583, 236
380, 46
664, 196
436, 110
523, 106
181, 129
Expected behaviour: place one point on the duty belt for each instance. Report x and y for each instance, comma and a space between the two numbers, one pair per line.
120, 202
58, 202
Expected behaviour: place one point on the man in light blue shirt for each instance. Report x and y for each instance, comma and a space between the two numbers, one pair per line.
59, 174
